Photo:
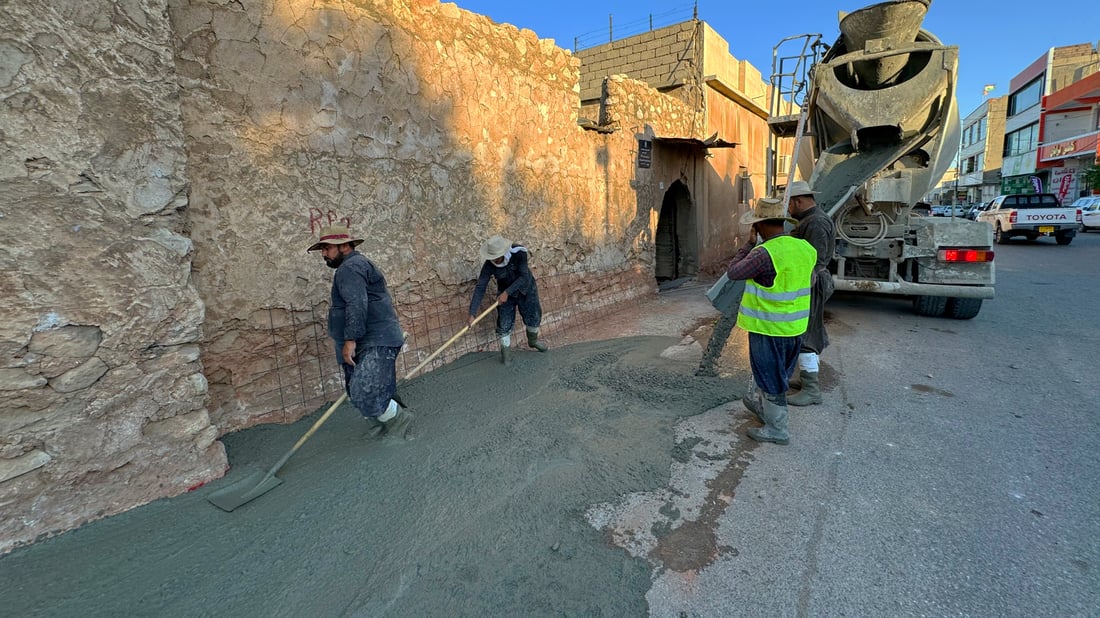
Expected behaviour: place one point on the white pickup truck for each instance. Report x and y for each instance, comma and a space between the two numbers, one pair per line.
1031, 216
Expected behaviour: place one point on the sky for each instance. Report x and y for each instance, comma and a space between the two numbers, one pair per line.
996, 40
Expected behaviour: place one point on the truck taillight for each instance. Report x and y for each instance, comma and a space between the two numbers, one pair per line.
965, 255
1078, 215
1012, 217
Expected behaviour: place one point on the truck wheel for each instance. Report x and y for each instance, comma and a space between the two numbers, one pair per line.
931, 306
999, 236
1063, 239
963, 308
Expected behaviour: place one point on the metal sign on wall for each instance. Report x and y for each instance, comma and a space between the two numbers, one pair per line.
1017, 185
645, 153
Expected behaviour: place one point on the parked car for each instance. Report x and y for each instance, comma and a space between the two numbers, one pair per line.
1090, 212
945, 210
972, 212
1031, 216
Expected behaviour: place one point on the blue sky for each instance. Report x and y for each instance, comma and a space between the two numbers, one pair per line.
996, 40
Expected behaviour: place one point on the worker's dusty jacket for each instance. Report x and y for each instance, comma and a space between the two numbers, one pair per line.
816, 228
361, 308
514, 278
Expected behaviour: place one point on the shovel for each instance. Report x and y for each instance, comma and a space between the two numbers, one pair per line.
258, 483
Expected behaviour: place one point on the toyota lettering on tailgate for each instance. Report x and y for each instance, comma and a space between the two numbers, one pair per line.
1048, 217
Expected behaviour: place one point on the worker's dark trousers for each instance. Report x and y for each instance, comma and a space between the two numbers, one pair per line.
371, 383
773, 360
530, 309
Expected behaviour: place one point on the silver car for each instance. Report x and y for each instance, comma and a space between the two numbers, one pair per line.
1090, 212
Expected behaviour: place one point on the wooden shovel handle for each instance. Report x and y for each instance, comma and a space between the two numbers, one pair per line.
451, 340
297, 445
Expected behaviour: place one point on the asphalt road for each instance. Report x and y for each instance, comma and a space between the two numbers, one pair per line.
953, 470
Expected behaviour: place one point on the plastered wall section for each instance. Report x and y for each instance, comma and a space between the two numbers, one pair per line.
736, 98
427, 128
102, 393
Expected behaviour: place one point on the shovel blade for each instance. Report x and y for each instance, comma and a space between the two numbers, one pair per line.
245, 490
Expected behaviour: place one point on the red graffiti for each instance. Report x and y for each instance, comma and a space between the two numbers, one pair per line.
319, 218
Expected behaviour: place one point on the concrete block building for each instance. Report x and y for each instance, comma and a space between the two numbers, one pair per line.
714, 178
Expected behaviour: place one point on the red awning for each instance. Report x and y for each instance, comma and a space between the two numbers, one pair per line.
1084, 93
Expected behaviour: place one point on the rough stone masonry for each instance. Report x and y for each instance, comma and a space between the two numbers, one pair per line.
163, 164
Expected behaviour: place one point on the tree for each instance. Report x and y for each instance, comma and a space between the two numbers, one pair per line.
1091, 177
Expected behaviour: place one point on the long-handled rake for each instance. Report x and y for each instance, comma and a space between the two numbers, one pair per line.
259, 483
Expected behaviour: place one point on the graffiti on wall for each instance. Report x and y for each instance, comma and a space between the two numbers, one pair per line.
320, 218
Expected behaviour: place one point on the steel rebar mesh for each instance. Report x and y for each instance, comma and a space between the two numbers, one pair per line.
303, 374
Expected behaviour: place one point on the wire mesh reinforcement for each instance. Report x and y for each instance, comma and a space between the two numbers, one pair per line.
303, 373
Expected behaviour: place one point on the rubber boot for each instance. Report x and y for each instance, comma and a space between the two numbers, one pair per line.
751, 399
775, 424
375, 427
506, 354
533, 341
810, 395
795, 382
397, 428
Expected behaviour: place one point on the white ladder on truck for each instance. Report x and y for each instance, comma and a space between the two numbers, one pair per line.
799, 134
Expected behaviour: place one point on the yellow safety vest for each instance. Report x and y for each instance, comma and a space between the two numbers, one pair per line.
782, 310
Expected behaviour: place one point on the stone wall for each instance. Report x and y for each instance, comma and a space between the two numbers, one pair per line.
427, 127
102, 395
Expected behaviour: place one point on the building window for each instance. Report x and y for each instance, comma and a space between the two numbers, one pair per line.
980, 130
1026, 97
1022, 140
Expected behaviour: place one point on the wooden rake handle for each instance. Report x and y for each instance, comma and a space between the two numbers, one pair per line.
332, 408
451, 340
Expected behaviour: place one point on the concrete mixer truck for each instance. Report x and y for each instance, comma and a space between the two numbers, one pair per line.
875, 126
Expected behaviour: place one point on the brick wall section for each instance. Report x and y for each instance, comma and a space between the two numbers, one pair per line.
662, 58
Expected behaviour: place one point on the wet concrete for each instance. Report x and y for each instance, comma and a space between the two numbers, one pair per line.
484, 513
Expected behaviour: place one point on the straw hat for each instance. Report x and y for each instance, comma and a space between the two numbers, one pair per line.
335, 235
766, 209
495, 247
801, 187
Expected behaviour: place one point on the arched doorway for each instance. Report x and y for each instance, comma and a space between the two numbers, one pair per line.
675, 236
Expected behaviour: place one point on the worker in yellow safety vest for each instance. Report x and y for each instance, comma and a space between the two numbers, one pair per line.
775, 310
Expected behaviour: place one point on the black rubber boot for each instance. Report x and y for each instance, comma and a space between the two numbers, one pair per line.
533, 341
506, 354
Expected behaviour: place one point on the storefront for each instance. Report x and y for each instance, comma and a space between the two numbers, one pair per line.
1070, 130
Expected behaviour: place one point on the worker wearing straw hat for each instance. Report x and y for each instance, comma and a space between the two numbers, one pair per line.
815, 227
363, 324
506, 262
774, 311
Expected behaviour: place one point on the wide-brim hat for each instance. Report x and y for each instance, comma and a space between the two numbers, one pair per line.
766, 209
495, 247
800, 187
335, 235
